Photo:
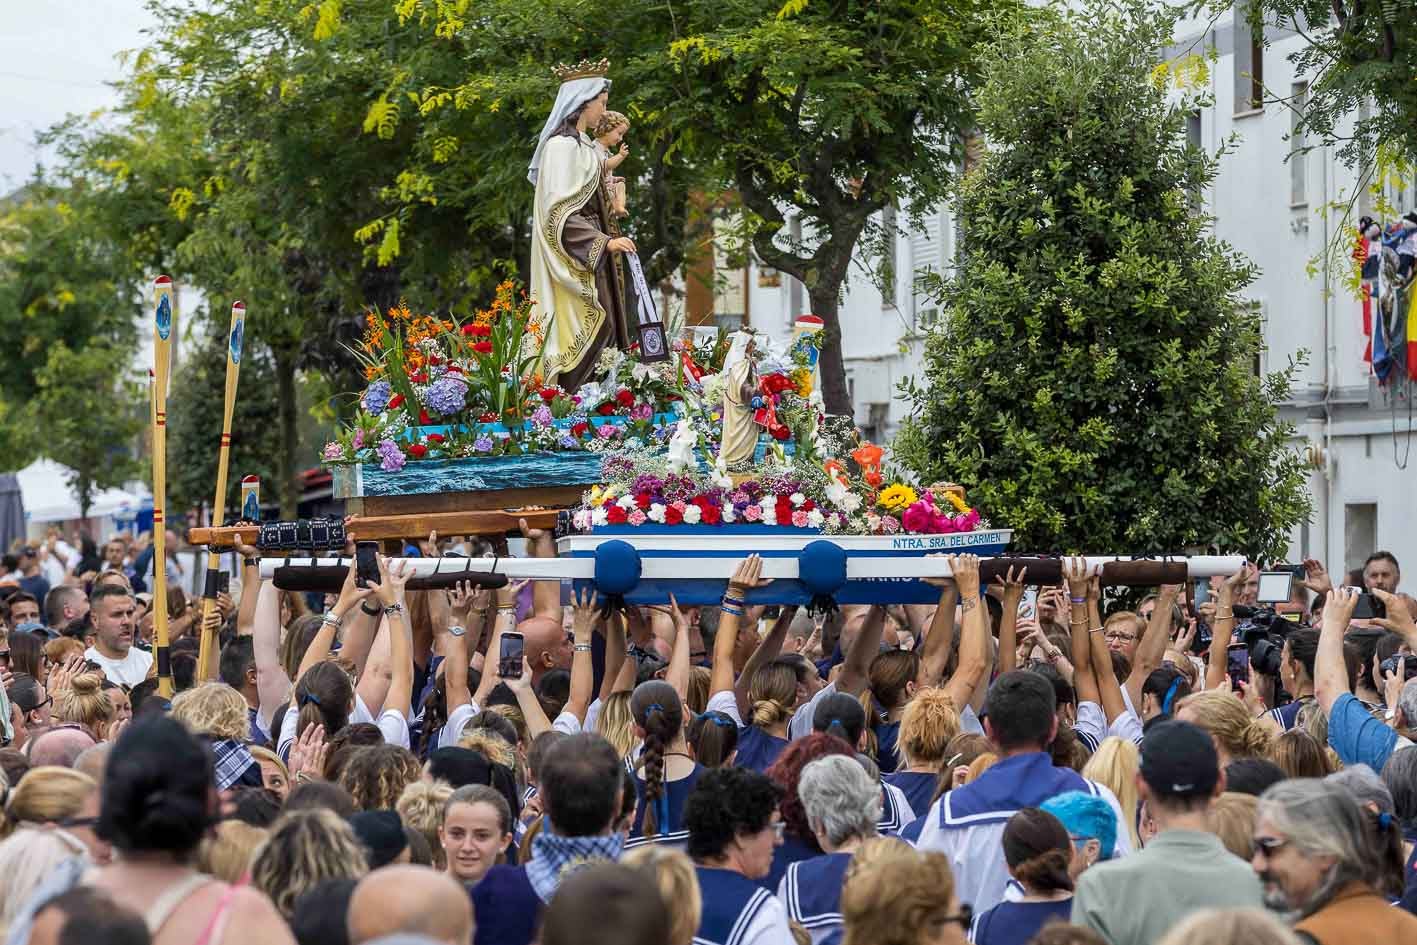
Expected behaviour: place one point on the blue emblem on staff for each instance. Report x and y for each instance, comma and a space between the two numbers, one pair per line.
238, 332
164, 317
251, 512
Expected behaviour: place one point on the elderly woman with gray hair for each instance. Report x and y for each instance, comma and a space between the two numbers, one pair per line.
1400, 776
843, 804
1331, 863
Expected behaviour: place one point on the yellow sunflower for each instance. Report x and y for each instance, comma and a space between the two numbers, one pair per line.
897, 498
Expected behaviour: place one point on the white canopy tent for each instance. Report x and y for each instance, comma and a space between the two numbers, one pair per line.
45, 491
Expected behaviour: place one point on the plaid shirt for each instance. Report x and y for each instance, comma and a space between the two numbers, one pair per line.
234, 764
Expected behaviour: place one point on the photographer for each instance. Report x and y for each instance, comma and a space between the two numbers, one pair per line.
1296, 673
1352, 731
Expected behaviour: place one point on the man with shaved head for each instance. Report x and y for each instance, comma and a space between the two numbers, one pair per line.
548, 645
412, 900
60, 746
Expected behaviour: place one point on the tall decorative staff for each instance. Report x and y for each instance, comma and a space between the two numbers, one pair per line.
207, 654
162, 343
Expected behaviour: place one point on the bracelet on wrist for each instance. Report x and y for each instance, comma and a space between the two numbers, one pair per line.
1225, 616
332, 619
1095, 630
1079, 600
393, 609
456, 630
252, 561
581, 647
371, 611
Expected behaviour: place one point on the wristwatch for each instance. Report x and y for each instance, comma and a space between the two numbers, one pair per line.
457, 631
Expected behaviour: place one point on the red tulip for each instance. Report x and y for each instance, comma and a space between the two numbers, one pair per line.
418, 451
436, 438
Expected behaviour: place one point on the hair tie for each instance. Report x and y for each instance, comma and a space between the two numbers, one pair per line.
1385, 821
308, 698
835, 723
723, 721
1170, 694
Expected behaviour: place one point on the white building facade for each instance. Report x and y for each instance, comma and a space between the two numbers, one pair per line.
1269, 206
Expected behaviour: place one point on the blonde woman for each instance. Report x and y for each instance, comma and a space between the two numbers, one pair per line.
215, 710
275, 776
51, 796
421, 807
1115, 765
897, 895
306, 848
84, 703
1232, 819
616, 725
927, 726
673, 873
1230, 725
228, 850
27, 858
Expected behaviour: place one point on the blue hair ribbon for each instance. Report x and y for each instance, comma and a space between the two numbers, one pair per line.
1170, 695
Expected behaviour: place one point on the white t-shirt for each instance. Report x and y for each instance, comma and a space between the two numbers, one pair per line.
392, 725
129, 671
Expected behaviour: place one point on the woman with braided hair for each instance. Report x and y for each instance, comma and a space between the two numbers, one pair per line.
665, 773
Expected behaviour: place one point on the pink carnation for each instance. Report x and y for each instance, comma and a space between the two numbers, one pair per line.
637, 518
753, 513
889, 525
919, 518
799, 519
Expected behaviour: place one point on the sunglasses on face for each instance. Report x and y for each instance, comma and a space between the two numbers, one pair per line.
1267, 846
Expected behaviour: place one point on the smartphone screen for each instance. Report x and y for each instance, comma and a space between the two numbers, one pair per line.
366, 558
1028, 607
509, 661
1276, 587
1237, 663
223, 583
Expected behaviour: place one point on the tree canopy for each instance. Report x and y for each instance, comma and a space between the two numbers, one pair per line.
1094, 378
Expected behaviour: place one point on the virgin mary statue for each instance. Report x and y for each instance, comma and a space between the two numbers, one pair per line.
576, 283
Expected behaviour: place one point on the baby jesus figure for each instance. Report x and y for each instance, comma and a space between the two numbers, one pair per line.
608, 134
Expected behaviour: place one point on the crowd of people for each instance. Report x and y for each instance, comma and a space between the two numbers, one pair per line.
1014, 765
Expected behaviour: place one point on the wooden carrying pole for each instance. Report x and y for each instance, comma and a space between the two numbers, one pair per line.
207, 654
162, 345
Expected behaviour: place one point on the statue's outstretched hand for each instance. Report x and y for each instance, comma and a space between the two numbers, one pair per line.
621, 244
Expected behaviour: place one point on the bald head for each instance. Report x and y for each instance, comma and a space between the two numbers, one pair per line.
412, 900
91, 761
59, 746
546, 645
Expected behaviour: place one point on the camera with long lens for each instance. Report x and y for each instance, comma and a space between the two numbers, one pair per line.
306, 534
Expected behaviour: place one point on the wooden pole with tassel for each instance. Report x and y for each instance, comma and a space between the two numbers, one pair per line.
207, 654
162, 348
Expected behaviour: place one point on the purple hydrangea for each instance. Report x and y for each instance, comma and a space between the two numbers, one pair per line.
447, 396
541, 417
391, 458
376, 396
569, 442
483, 444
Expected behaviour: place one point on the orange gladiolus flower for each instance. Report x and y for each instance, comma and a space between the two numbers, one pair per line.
867, 455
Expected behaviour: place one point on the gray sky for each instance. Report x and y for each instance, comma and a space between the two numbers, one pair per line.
55, 56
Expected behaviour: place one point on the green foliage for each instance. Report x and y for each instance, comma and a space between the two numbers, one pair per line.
86, 414
1093, 382
194, 424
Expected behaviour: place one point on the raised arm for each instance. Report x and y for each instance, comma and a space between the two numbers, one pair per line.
1008, 624
856, 661
587, 615
506, 620
1330, 670
766, 652
974, 637
272, 684
250, 589
545, 595
1108, 687
615, 655
1152, 647
457, 649
1224, 628
1399, 618
678, 673
392, 581
936, 651
349, 596
747, 576
1080, 631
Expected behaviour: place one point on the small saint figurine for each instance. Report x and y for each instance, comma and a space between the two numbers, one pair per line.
577, 287
608, 134
740, 430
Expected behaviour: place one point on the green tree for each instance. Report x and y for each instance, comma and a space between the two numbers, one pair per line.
87, 414
1093, 382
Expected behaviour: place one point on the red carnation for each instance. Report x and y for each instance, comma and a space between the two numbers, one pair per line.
418, 377
606, 409
580, 429
777, 383
396, 401
625, 399
616, 515
700, 500
549, 394
483, 347
469, 330
423, 417
436, 438
642, 501
711, 515
672, 516
418, 451
808, 506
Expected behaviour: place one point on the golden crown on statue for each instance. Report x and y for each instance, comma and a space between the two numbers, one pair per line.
585, 69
